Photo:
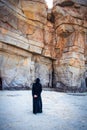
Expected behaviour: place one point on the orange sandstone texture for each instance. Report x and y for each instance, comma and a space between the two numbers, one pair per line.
38, 42
70, 26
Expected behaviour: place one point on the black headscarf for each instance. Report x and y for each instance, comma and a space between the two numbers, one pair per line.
37, 87
37, 80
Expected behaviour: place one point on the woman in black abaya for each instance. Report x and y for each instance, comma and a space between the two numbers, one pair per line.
36, 93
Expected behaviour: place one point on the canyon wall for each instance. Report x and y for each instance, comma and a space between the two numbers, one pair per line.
71, 32
24, 46
38, 42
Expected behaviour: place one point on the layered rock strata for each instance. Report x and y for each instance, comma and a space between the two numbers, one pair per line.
71, 32
22, 43
38, 42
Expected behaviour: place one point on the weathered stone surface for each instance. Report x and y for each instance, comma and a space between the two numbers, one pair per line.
18, 31
67, 2
71, 62
70, 25
86, 52
20, 68
49, 48
37, 35
34, 10
38, 42
70, 15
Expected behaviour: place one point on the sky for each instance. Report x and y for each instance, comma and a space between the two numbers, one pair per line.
49, 3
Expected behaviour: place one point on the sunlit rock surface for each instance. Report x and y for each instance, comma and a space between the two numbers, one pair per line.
38, 42
71, 32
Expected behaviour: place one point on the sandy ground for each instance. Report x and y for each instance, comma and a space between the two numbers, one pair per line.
61, 111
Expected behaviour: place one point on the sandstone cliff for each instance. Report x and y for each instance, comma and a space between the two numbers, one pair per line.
38, 42
71, 33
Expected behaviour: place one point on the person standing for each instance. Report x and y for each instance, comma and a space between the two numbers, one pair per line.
0, 83
36, 93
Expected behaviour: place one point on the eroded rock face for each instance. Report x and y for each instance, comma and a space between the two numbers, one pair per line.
38, 42
19, 68
22, 47
69, 2
86, 53
70, 25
